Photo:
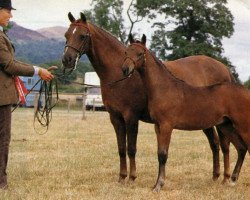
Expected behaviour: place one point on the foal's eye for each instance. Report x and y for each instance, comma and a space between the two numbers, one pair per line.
139, 54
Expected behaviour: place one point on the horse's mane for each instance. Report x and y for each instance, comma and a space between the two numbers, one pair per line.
107, 34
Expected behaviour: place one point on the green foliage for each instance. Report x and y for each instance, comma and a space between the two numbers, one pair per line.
192, 27
108, 15
38, 52
247, 83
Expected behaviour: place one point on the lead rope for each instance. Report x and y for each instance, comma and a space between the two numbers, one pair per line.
43, 114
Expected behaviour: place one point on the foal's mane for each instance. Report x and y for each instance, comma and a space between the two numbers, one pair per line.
159, 63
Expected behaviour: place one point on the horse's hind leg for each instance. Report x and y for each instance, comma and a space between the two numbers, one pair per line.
215, 147
240, 146
120, 129
225, 144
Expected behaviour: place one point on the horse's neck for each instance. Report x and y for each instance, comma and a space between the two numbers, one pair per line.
106, 54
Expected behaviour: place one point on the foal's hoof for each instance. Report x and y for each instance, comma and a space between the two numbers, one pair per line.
232, 183
226, 181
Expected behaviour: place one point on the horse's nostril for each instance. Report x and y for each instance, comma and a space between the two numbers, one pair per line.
125, 71
66, 60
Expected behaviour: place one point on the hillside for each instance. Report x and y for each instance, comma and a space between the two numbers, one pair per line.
56, 32
35, 47
21, 34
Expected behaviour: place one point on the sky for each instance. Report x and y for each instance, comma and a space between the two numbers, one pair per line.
35, 14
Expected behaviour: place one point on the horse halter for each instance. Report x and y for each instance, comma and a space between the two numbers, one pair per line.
80, 51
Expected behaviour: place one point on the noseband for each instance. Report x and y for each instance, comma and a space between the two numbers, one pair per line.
139, 57
80, 51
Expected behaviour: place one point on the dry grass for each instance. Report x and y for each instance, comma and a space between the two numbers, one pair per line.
78, 160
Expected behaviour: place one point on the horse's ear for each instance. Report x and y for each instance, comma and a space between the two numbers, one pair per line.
83, 17
130, 38
71, 17
143, 39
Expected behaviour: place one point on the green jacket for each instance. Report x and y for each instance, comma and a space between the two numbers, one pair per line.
10, 67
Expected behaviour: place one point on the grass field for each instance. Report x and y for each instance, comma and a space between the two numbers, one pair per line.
78, 159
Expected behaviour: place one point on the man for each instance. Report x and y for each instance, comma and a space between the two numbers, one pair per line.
9, 70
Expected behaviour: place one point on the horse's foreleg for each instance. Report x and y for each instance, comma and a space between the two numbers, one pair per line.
215, 147
120, 129
163, 140
132, 131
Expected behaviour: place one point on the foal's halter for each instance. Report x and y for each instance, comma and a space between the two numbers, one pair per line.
139, 57
80, 51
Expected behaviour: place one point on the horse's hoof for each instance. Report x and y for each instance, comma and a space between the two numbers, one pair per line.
157, 189
216, 177
122, 179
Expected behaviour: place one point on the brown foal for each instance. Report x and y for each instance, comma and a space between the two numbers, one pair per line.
174, 104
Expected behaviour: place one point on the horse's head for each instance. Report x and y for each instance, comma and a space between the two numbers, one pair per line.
134, 55
77, 41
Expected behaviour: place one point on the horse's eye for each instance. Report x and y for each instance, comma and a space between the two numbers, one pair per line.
83, 37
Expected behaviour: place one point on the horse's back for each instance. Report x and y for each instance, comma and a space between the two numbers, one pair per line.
199, 70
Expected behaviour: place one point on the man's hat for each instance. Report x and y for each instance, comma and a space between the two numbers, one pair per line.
6, 4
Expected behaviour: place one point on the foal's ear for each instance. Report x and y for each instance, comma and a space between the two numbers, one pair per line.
71, 17
143, 39
130, 38
83, 17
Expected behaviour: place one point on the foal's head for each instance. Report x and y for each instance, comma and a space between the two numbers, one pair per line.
77, 41
134, 55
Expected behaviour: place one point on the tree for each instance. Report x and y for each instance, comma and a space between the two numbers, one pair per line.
247, 83
108, 14
192, 27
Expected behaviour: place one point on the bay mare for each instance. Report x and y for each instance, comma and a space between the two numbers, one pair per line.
126, 101
174, 104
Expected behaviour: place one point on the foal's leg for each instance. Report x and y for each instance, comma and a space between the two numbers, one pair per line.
132, 131
163, 140
120, 129
215, 147
240, 146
